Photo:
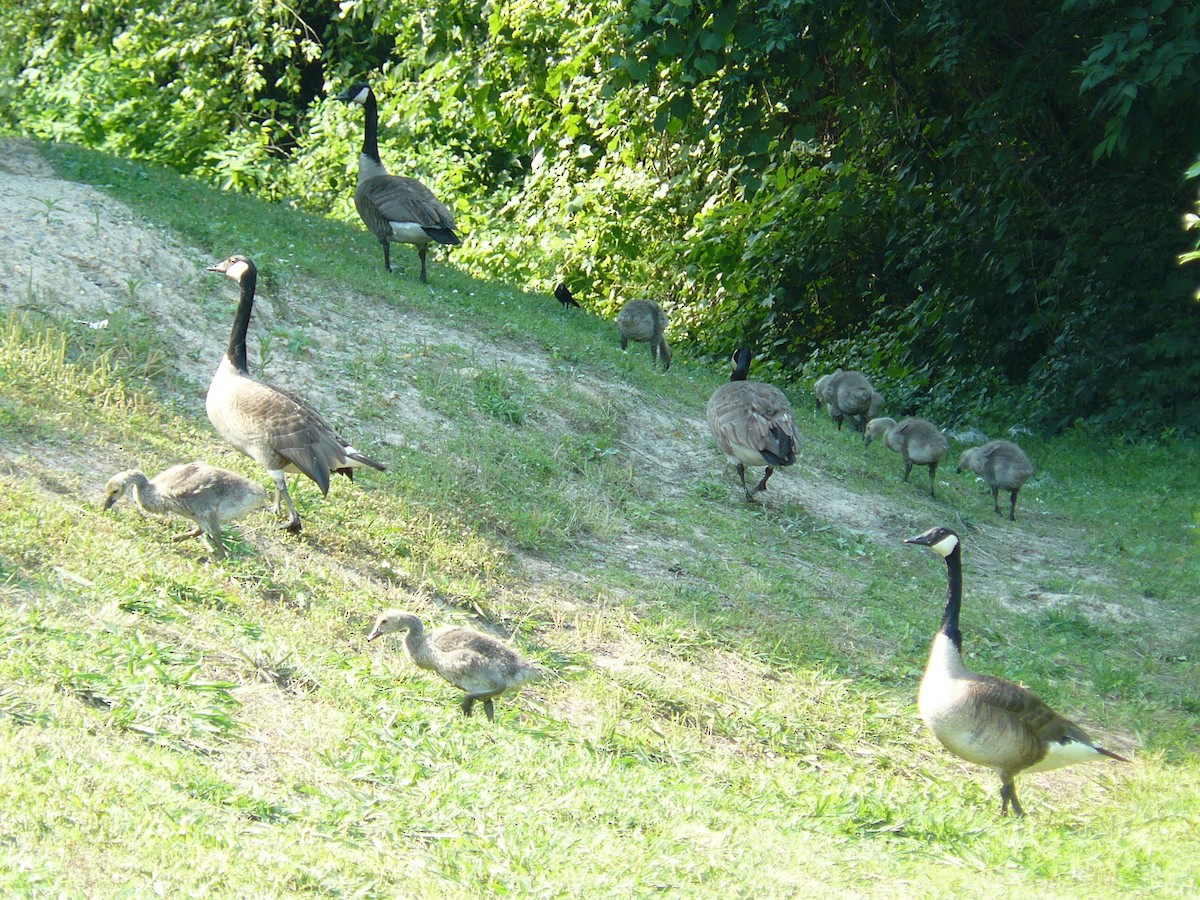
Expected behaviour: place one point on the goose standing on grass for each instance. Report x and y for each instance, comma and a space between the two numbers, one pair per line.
918, 442
473, 662
277, 429
1002, 464
850, 395
987, 720
395, 209
645, 322
752, 423
207, 495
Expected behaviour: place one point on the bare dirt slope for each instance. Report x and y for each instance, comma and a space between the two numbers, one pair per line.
71, 251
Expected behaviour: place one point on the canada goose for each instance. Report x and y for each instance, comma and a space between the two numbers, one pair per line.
917, 441
987, 720
274, 427
207, 495
394, 208
644, 321
473, 662
849, 394
563, 294
752, 423
1002, 464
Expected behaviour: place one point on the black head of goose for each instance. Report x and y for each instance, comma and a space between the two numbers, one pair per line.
752, 423
984, 719
276, 428
394, 208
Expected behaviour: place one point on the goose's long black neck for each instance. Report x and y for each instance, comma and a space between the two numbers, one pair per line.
370, 146
236, 354
741, 366
953, 598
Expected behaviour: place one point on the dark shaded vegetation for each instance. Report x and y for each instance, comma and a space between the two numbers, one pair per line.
980, 207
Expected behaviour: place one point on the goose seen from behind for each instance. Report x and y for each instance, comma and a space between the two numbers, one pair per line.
476, 663
277, 429
752, 423
1003, 465
984, 719
207, 495
645, 322
394, 208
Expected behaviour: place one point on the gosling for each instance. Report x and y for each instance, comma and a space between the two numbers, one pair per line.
1003, 465
476, 663
207, 495
644, 321
918, 442
850, 395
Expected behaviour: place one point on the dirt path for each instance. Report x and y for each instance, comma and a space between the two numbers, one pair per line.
73, 252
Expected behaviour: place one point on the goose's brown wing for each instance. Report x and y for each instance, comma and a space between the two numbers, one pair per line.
398, 199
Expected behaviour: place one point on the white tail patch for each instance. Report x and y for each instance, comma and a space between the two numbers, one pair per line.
1059, 755
409, 233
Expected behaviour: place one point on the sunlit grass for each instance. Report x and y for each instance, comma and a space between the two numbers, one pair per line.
731, 711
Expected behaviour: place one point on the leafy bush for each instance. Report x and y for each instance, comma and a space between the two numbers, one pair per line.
979, 206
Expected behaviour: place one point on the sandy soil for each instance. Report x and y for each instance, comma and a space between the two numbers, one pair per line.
72, 251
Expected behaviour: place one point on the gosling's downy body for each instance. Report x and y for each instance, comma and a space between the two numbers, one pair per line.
476, 663
207, 495
644, 321
276, 428
919, 442
821, 387
394, 208
850, 395
987, 720
752, 423
1004, 466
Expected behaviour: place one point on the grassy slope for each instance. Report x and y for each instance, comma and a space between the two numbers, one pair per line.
733, 712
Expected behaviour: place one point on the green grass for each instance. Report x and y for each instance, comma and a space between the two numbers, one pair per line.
732, 708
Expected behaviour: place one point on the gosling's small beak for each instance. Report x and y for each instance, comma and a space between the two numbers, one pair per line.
109, 501
375, 632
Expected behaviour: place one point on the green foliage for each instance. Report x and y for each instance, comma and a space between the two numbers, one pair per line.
979, 205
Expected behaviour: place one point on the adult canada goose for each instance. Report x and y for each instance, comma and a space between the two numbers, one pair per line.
394, 208
473, 662
987, 720
1002, 464
274, 427
849, 394
207, 495
564, 296
644, 321
918, 442
752, 423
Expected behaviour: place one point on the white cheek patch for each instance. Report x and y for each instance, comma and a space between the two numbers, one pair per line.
945, 546
236, 270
